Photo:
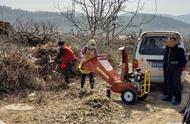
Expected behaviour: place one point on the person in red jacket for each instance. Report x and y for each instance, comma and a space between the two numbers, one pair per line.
65, 59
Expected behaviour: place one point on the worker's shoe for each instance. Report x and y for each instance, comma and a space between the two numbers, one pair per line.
67, 81
175, 102
66, 86
182, 111
91, 91
82, 90
166, 99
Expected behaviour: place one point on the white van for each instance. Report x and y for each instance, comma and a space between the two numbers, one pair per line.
149, 52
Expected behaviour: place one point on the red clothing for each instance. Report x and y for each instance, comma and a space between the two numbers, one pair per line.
68, 56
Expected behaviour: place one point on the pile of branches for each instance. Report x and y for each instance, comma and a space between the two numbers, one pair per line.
29, 68
17, 71
43, 55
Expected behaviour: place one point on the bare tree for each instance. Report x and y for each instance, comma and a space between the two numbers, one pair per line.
34, 32
101, 17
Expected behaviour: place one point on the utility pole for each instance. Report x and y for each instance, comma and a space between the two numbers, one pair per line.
73, 7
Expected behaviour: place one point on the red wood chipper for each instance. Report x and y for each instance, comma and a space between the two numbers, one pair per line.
132, 86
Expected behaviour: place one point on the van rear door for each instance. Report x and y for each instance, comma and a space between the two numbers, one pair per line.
152, 50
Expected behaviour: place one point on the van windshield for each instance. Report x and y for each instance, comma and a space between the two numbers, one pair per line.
153, 45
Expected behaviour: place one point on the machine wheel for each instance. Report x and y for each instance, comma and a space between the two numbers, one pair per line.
142, 97
129, 96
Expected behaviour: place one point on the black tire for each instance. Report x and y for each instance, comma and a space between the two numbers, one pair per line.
129, 96
142, 97
108, 93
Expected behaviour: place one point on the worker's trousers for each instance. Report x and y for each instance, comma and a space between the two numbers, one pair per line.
91, 80
173, 83
165, 82
67, 71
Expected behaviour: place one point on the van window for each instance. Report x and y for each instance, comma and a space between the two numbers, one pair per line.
153, 45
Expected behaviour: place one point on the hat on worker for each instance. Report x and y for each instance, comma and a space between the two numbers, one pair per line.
91, 43
60, 43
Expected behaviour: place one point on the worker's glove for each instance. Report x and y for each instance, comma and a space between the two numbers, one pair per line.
52, 61
63, 66
83, 60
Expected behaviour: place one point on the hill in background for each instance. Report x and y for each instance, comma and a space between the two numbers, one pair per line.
184, 18
159, 22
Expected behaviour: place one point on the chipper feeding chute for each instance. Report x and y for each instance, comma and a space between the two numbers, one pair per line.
132, 86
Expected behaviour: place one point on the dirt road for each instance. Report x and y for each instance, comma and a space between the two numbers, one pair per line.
67, 106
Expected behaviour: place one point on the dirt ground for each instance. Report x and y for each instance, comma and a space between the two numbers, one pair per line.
67, 106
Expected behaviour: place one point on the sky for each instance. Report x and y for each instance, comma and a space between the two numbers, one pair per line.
173, 7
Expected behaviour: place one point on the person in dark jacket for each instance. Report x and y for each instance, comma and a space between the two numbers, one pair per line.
65, 59
175, 62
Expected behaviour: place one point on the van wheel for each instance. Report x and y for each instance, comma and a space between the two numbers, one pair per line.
129, 96
142, 97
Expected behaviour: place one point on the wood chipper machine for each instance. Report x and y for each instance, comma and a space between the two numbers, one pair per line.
132, 86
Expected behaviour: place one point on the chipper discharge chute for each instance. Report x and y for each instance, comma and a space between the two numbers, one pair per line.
132, 86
